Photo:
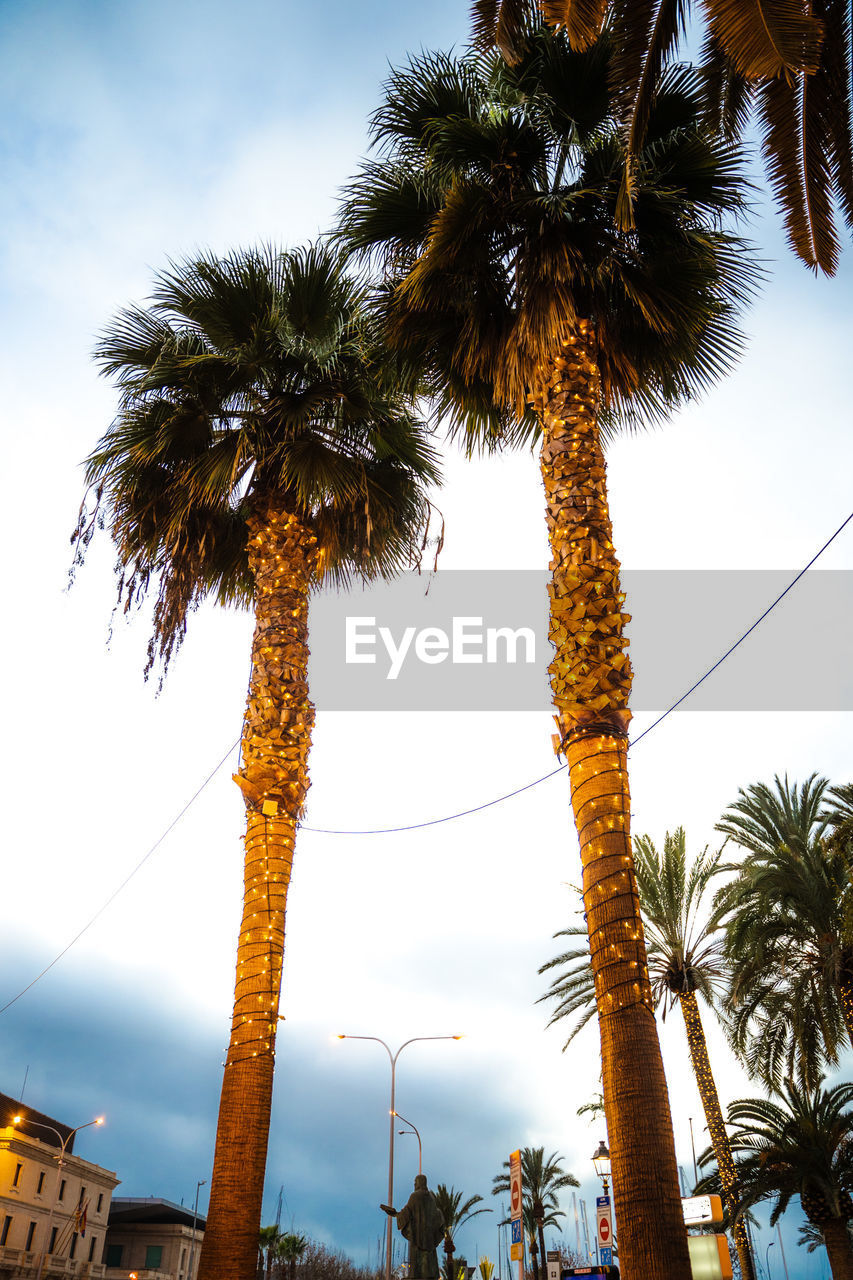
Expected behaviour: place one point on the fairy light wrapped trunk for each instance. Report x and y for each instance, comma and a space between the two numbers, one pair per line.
274, 781
716, 1125
591, 683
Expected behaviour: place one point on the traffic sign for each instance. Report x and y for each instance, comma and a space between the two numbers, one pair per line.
516, 1231
515, 1185
603, 1223
605, 1255
702, 1211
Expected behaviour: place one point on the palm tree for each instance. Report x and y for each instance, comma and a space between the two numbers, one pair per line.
686, 960
261, 448
491, 210
289, 1249
789, 928
455, 1214
801, 1146
785, 67
541, 1179
268, 1238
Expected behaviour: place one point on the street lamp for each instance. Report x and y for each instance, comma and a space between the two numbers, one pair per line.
767, 1258
63, 1144
198, 1188
392, 1057
412, 1129
601, 1161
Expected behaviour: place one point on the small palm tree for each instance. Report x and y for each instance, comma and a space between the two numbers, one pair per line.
262, 447
268, 1238
456, 1213
686, 960
541, 1179
789, 927
802, 1145
491, 211
289, 1249
785, 68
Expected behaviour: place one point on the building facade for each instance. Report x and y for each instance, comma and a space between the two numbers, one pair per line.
54, 1207
152, 1239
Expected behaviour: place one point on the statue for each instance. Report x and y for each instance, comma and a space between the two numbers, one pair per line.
421, 1223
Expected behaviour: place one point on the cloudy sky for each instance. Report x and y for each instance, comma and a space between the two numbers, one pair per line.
135, 132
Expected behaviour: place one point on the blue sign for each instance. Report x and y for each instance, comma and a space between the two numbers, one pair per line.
602, 1202
605, 1254
516, 1231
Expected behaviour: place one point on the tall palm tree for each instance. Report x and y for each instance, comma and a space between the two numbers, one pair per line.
455, 1213
490, 208
541, 1179
686, 960
784, 67
789, 928
261, 447
268, 1238
290, 1248
802, 1146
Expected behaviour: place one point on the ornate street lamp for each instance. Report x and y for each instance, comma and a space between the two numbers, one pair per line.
601, 1161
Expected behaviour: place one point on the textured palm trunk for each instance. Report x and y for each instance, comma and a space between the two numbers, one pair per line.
591, 682
274, 781
845, 995
716, 1125
838, 1248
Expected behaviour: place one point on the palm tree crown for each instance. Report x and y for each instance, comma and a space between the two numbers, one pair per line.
253, 374
786, 67
789, 927
490, 208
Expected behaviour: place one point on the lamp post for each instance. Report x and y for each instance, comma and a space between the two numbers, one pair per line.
412, 1129
601, 1161
767, 1258
63, 1145
392, 1057
198, 1187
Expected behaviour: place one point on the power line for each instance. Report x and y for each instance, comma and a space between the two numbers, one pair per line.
124, 882
430, 822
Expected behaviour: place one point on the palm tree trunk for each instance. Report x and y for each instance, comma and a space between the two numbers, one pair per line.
716, 1125
838, 1248
274, 782
591, 682
845, 994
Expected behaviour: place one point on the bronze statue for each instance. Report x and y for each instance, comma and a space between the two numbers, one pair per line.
421, 1222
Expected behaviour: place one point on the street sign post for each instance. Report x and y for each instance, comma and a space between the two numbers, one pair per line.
517, 1246
604, 1225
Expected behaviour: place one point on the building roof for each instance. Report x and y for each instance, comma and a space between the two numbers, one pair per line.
125, 1209
10, 1107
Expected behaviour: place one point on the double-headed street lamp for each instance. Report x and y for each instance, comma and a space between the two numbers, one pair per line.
393, 1114
63, 1145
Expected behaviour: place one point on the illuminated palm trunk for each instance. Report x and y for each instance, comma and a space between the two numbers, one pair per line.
716, 1124
274, 782
845, 996
591, 683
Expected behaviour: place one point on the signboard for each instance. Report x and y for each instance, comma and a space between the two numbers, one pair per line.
605, 1255
603, 1224
517, 1247
710, 1258
702, 1211
553, 1261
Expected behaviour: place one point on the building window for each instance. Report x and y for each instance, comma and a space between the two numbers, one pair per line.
30, 1233
100, 1202
18, 1169
53, 1236
40, 1185
92, 1247
73, 1245
153, 1257
61, 1195
82, 1194
113, 1255
7, 1222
